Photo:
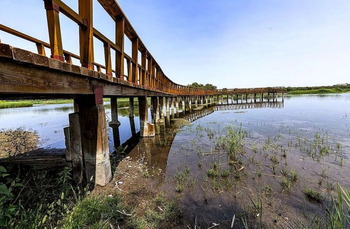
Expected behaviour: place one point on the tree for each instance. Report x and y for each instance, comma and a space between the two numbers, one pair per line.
207, 86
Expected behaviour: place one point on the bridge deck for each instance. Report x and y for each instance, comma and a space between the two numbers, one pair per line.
26, 74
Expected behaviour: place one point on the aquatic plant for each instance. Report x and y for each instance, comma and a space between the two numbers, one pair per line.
286, 185
212, 173
182, 179
293, 175
313, 195
225, 173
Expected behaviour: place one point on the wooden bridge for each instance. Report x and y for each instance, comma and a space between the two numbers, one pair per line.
28, 75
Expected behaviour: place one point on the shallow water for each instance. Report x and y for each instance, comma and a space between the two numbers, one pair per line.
307, 135
49, 120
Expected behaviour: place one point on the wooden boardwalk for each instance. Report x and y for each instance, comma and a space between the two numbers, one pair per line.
28, 75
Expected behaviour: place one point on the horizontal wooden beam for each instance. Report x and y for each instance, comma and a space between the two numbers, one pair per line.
104, 39
74, 16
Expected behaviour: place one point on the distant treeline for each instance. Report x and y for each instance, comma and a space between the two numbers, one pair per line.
204, 86
341, 88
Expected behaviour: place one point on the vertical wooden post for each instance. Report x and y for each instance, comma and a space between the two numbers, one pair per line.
115, 122
128, 62
131, 107
162, 106
114, 111
76, 148
119, 41
40, 48
177, 105
153, 75
86, 34
135, 65
67, 141
146, 128
183, 105
108, 61
68, 58
53, 22
94, 138
143, 64
167, 102
155, 109
150, 64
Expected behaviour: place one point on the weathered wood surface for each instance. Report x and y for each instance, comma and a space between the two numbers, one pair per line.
25, 73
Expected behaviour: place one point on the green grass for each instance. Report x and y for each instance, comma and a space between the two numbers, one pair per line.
122, 102
95, 212
30, 103
319, 91
161, 214
15, 104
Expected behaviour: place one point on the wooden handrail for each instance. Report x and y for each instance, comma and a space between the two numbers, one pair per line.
104, 39
71, 14
152, 75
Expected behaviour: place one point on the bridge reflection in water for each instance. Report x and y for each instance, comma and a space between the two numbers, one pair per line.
155, 151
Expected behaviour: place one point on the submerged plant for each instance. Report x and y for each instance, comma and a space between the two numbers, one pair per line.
313, 195
286, 185
293, 175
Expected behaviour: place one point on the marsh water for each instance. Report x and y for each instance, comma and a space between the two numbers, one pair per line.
247, 162
48, 122
281, 150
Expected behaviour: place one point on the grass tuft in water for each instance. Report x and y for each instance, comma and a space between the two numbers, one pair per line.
313, 195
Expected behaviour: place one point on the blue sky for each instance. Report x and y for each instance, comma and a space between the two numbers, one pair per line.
229, 43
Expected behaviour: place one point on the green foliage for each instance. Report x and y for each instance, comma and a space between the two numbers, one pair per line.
7, 186
318, 90
207, 86
95, 212
41, 202
340, 216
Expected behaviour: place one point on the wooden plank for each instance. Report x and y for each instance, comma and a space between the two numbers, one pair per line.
86, 35
67, 143
76, 149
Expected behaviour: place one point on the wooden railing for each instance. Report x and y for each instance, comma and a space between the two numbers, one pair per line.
147, 74
226, 91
